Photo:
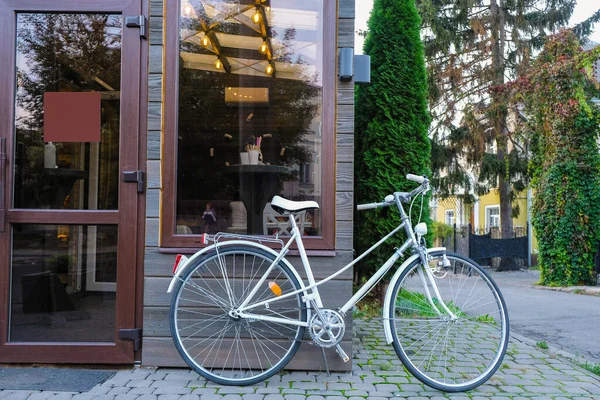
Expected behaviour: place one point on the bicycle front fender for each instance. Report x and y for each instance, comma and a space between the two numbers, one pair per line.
387, 317
182, 268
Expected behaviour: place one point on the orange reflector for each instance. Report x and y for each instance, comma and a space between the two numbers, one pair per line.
275, 288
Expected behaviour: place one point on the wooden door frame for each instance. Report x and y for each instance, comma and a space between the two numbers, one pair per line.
127, 306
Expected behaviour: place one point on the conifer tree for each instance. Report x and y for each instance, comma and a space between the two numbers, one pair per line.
472, 48
391, 123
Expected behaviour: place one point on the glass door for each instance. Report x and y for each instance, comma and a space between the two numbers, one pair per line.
70, 86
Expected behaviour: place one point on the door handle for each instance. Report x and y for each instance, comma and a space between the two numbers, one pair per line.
3, 161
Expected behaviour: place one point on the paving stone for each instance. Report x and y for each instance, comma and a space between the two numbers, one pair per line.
387, 387
117, 381
142, 390
268, 390
356, 393
139, 383
543, 389
292, 391
81, 396
235, 390
118, 390
61, 396
147, 397
39, 396
211, 397
172, 390
272, 397
256, 396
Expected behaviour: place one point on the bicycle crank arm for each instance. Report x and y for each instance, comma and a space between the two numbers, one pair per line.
342, 353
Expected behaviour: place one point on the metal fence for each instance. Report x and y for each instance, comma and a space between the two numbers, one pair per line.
488, 248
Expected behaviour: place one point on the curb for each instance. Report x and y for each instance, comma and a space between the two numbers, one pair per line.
586, 290
552, 350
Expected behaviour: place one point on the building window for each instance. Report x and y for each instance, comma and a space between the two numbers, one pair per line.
252, 119
492, 217
450, 217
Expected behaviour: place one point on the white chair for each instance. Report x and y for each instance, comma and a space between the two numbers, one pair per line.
274, 221
184, 230
238, 218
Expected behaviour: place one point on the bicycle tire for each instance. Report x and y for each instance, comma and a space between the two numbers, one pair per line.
468, 349
205, 334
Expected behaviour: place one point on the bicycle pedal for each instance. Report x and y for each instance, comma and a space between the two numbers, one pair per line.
342, 353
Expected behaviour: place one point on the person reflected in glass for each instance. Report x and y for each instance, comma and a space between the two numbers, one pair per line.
209, 217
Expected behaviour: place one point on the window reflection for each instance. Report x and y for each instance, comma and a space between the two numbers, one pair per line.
63, 283
250, 78
67, 53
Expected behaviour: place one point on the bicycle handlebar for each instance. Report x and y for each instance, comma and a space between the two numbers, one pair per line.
416, 178
389, 200
371, 205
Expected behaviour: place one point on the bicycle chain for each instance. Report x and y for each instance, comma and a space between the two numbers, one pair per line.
312, 343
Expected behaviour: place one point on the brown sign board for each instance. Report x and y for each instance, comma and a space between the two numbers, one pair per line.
71, 117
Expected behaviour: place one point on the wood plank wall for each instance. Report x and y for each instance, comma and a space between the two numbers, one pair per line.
158, 348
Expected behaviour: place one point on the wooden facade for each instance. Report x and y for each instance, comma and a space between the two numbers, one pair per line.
158, 348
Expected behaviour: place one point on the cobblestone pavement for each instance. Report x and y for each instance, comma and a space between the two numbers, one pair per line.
526, 373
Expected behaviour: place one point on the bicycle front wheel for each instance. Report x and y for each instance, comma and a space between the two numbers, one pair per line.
225, 348
449, 353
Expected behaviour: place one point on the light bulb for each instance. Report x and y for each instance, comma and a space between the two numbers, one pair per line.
218, 64
205, 40
256, 17
269, 69
188, 9
263, 47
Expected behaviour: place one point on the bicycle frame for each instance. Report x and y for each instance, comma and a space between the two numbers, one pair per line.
315, 296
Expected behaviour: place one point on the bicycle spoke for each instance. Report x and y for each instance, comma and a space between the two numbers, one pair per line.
227, 348
449, 353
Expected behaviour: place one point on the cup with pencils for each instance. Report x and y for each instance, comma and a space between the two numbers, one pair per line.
253, 149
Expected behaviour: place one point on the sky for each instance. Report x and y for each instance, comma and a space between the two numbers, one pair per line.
583, 10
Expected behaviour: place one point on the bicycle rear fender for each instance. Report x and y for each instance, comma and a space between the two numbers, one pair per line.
229, 243
388, 294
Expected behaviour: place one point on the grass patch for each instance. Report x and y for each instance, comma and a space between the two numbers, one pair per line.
369, 307
417, 305
592, 367
542, 345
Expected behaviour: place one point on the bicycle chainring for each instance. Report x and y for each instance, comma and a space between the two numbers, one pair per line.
327, 333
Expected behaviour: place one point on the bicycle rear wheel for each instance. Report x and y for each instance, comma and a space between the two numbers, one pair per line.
233, 350
449, 354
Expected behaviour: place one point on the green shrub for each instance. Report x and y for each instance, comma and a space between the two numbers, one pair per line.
391, 124
563, 127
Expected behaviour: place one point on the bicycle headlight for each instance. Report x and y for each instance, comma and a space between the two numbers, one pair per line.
421, 229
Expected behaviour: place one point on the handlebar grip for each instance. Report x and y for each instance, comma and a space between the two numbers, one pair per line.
367, 206
415, 178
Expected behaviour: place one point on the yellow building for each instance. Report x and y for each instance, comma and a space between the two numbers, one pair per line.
483, 214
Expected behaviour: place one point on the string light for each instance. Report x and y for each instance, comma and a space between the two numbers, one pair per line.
263, 47
205, 40
269, 69
256, 17
218, 63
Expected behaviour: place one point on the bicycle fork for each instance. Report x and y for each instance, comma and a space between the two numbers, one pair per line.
433, 284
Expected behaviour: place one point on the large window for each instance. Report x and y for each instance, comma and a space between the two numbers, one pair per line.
252, 116
492, 217
450, 217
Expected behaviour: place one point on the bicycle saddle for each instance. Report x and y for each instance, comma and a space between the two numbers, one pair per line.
280, 204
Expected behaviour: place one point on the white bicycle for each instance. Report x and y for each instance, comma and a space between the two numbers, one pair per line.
240, 309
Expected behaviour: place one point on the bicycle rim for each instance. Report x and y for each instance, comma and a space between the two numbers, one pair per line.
228, 350
449, 354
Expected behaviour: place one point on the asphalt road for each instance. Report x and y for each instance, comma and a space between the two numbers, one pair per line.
567, 321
